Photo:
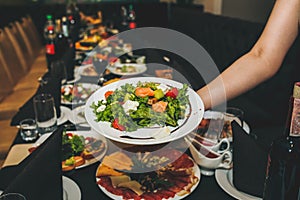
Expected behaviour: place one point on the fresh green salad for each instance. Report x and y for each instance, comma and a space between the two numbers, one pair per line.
147, 104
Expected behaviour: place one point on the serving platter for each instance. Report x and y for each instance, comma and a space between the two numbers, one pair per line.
127, 69
194, 176
85, 134
147, 136
78, 93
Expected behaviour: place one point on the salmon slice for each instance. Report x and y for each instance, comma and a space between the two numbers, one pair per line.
144, 92
160, 106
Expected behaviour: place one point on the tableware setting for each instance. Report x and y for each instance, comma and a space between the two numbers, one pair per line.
78, 93
77, 116
71, 191
216, 146
127, 69
80, 148
216, 125
149, 133
138, 177
224, 178
45, 113
12, 196
208, 159
28, 130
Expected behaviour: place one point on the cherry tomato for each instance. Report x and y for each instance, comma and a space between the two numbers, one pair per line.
172, 93
108, 93
69, 134
115, 124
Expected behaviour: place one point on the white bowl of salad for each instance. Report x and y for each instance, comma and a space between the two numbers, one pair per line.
144, 110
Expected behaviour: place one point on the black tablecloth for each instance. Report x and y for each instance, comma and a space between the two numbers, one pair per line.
207, 189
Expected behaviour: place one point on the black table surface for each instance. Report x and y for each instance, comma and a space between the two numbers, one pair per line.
208, 187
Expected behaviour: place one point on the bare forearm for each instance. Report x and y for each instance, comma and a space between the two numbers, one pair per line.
262, 62
242, 75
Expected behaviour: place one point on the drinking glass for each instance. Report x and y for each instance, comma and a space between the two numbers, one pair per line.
12, 196
45, 113
58, 70
28, 130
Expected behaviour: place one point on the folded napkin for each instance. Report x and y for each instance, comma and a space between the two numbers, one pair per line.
52, 86
250, 156
39, 175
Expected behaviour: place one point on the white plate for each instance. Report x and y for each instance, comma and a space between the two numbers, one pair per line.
76, 78
71, 189
76, 118
196, 171
194, 114
90, 133
81, 86
65, 113
139, 69
87, 70
224, 179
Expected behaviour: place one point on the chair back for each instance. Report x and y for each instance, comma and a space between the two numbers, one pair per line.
26, 38
34, 30
11, 60
19, 45
32, 35
6, 83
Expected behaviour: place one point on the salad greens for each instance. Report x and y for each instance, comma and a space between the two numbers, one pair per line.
71, 146
145, 105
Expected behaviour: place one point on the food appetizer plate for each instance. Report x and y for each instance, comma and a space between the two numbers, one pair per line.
194, 176
87, 71
78, 93
127, 69
85, 134
147, 136
224, 179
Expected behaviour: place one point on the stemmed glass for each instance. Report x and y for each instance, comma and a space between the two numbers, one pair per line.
100, 67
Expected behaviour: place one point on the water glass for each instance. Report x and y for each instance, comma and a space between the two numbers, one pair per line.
12, 196
28, 130
45, 113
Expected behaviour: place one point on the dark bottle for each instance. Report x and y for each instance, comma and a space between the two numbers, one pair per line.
50, 37
61, 41
73, 17
65, 26
283, 171
131, 17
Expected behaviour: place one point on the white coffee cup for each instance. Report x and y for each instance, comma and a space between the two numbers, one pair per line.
209, 160
210, 144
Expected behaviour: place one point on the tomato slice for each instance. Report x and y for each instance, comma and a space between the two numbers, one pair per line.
108, 93
173, 93
115, 124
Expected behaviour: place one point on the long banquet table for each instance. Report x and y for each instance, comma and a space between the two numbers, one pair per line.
207, 189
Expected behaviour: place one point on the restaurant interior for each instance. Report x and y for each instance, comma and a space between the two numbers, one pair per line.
226, 29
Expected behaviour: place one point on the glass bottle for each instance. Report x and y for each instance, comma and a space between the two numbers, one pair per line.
283, 170
131, 17
50, 35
